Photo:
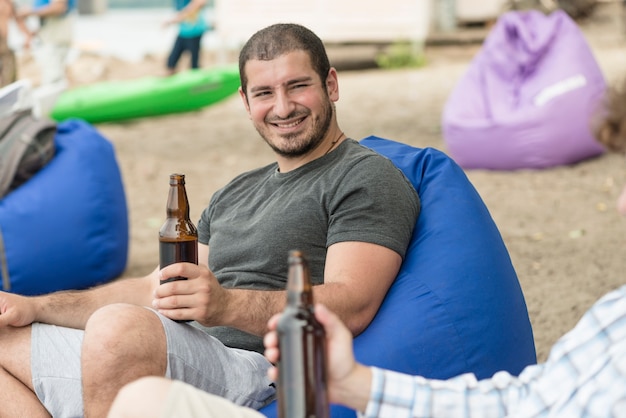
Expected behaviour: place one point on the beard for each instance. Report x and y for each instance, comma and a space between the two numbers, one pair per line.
304, 142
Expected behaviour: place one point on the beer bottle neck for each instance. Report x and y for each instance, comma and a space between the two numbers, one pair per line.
177, 204
299, 288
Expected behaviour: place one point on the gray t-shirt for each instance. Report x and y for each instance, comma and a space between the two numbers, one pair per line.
351, 194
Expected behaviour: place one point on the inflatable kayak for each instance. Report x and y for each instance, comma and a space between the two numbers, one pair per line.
149, 96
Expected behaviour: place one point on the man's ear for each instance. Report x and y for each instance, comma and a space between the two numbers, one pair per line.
244, 99
332, 85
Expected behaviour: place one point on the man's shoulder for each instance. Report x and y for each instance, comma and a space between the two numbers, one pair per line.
362, 158
251, 177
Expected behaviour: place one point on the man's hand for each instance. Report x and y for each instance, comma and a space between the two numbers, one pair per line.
16, 310
348, 381
199, 298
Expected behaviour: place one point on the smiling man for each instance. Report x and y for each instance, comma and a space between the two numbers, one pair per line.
584, 375
348, 208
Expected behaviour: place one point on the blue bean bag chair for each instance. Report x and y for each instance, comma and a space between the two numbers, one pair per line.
456, 305
66, 227
528, 98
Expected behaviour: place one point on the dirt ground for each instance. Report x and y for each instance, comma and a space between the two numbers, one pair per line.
565, 238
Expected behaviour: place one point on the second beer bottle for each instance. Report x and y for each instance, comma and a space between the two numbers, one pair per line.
302, 387
178, 237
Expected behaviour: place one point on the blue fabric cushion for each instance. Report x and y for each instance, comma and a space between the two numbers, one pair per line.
456, 305
67, 227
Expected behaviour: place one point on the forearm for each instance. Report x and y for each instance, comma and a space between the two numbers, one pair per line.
459, 396
73, 308
249, 310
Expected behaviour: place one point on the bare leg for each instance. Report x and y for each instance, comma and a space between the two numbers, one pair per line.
17, 396
151, 397
143, 398
121, 344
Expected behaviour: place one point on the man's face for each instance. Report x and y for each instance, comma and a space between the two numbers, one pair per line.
288, 104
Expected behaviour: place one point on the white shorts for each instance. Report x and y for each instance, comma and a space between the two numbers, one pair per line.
52, 46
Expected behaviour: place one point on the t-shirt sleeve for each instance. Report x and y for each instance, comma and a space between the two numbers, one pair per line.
203, 227
374, 203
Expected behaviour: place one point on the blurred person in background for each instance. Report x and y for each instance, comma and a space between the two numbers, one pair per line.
8, 65
611, 128
191, 26
53, 38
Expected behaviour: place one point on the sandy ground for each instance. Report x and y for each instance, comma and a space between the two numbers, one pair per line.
560, 225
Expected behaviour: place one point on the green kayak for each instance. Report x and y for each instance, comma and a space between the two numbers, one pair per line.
150, 96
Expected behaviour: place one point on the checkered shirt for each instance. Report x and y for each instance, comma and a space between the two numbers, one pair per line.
584, 376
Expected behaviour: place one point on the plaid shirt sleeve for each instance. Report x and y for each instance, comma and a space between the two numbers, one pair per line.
585, 375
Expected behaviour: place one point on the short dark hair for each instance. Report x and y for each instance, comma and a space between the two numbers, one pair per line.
278, 39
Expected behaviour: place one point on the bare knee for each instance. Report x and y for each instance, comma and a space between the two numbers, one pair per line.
125, 335
121, 344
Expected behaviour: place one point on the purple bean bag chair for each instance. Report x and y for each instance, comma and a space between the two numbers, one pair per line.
528, 97
67, 226
456, 305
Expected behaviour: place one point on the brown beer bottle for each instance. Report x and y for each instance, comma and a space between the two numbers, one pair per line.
302, 390
178, 237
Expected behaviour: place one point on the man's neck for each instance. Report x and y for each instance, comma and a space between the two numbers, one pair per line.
330, 143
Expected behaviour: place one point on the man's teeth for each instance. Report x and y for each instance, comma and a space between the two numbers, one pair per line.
288, 125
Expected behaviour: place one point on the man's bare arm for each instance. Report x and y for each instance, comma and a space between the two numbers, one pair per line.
73, 308
357, 277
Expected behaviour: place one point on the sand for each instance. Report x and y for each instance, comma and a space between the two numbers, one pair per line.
560, 225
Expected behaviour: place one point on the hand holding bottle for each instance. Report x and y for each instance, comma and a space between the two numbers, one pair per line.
349, 382
200, 297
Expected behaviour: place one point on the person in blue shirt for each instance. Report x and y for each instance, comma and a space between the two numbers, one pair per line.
191, 26
53, 39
